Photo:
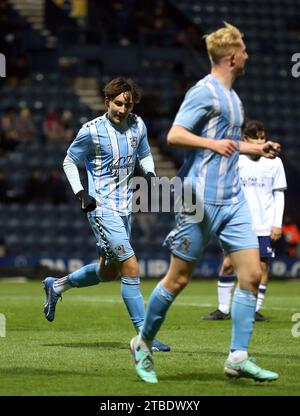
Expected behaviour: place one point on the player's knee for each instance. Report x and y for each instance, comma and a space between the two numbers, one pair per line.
130, 268
252, 280
227, 268
180, 283
256, 276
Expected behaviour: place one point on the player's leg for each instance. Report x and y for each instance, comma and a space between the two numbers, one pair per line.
176, 279
266, 252
225, 285
241, 243
262, 289
185, 242
160, 300
130, 280
133, 298
131, 291
87, 275
247, 266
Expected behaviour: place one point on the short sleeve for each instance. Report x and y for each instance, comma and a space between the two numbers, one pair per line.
143, 148
279, 181
196, 108
82, 145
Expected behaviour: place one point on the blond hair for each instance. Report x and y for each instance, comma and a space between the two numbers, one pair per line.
220, 42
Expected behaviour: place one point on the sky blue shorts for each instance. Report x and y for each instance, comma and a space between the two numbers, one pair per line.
231, 223
112, 234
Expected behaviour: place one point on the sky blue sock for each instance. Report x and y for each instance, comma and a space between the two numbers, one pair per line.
158, 304
85, 276
133, 299
242, 313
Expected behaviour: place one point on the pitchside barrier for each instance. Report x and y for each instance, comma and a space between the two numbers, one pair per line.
208, 267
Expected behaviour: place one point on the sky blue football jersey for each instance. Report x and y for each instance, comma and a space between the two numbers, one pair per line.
110, 155
211, 110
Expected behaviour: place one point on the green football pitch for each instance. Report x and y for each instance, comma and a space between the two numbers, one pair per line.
85, 350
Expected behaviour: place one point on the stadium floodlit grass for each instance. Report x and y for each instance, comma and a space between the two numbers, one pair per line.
85, 350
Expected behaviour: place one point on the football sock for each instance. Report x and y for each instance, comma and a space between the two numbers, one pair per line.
85, 276
61, 285
133, 299
225, 285
242, 313
238, 356
261, 296
158, 304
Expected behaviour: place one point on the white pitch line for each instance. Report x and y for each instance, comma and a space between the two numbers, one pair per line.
104, 299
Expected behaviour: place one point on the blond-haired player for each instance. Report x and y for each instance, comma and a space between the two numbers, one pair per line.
208, 125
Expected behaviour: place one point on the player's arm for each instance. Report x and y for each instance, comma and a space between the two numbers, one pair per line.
182, 137
276, 230
88, 203
198, 106
279, 186
146, 161
76, 153
147, 166
268, 149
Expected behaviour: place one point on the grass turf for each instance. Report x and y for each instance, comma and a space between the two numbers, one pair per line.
85, 350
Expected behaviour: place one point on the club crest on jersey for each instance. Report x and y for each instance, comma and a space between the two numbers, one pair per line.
120, 249
185, 244
133, 141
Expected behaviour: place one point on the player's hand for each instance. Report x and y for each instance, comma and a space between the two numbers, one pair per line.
225, 147
271, 149
151, 187
275, 233
88, 203
148, 177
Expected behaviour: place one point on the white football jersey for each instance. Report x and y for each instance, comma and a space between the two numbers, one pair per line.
259, 179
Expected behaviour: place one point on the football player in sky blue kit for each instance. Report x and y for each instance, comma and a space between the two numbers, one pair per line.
109, 145
208, 124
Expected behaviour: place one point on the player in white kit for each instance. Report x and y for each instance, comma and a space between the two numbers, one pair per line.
263, 181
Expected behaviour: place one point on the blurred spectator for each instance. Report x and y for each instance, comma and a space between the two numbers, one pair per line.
3, 249
79, 12
25, 126
7, 193
53, 127
19, 69
67, 120
291, 236
9, 30
9, 136
55, 189
152, 105
35, 187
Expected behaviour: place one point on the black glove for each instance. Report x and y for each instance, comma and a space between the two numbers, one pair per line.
148, 177
88, 203
151, 187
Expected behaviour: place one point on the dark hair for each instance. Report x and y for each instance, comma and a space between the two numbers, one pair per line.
252, 127
118, 85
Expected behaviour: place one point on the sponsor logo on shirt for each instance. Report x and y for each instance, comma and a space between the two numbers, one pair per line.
124, 162
252, 182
